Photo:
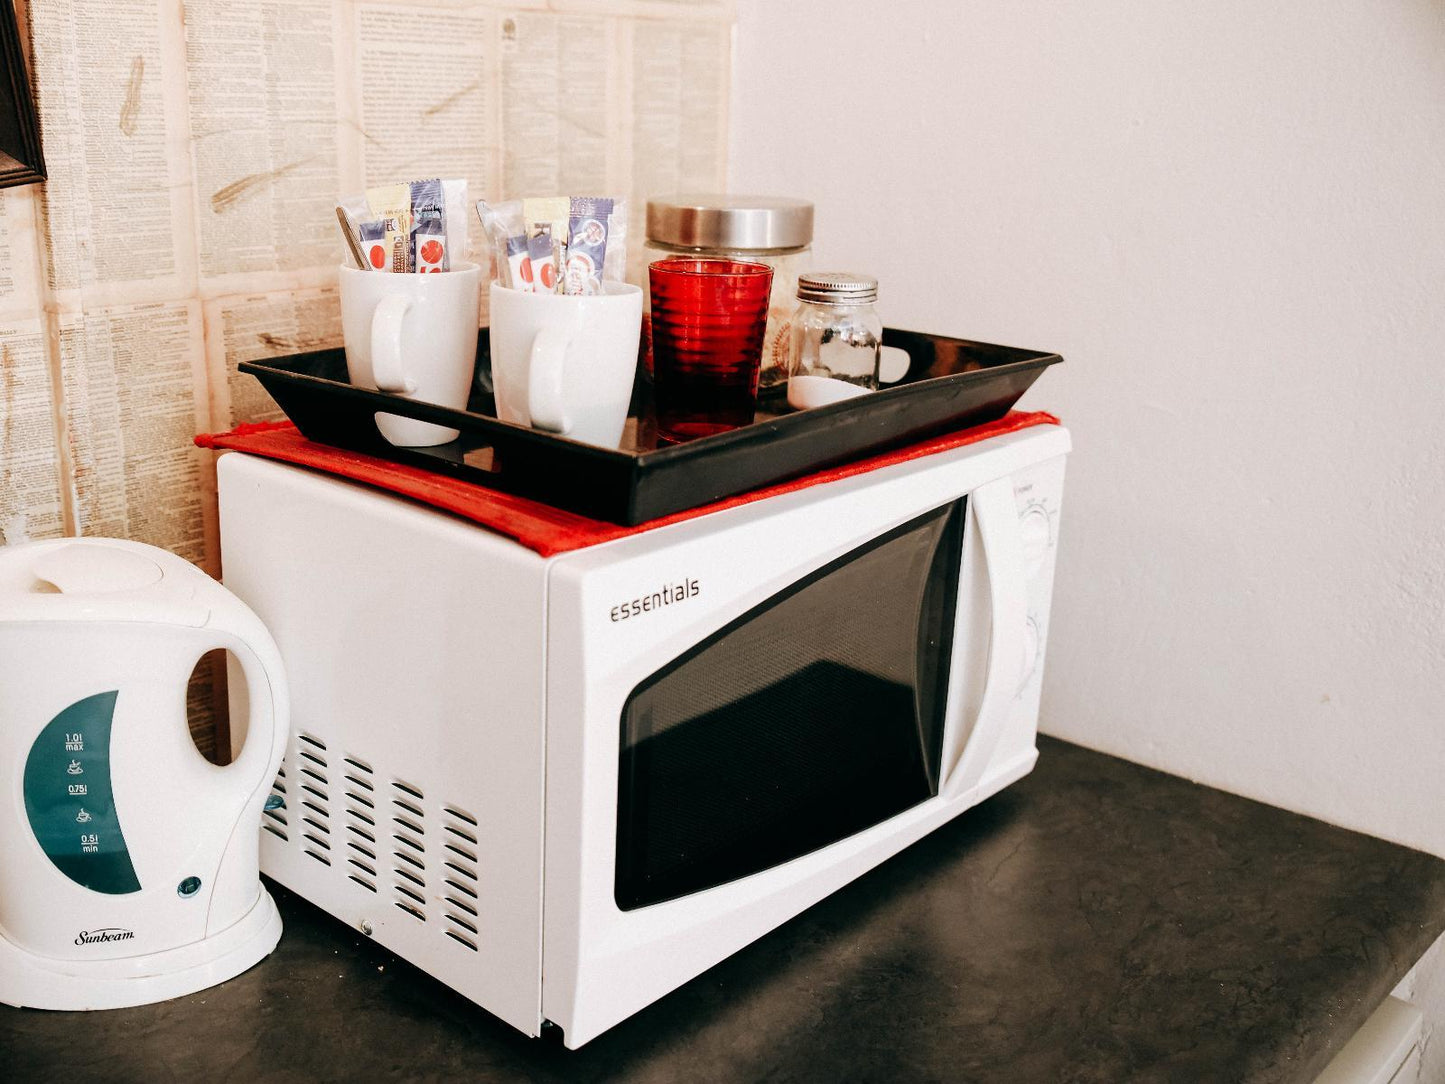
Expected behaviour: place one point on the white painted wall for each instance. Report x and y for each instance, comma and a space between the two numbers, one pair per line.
1230, 218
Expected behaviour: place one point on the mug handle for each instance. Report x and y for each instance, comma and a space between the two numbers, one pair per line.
386, 367
546, 398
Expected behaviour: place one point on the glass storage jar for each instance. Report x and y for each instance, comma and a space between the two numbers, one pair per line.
836, 339
769, 230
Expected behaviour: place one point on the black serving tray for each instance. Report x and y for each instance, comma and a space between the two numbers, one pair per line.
950, 384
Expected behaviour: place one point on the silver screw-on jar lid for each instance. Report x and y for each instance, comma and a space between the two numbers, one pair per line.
748, 223
837, 288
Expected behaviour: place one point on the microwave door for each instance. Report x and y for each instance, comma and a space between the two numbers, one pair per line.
811, 717
969, 745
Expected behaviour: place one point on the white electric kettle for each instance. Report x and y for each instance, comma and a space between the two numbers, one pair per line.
128, 865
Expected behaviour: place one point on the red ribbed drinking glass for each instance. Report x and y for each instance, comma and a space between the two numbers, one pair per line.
708, 322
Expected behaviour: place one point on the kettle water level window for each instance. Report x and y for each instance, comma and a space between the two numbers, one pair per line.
815, 715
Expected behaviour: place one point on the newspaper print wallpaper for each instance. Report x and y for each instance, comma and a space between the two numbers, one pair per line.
195, 153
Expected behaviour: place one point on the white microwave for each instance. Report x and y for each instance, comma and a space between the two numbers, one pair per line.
566, 785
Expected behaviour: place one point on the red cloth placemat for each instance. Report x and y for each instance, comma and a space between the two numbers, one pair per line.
538, 526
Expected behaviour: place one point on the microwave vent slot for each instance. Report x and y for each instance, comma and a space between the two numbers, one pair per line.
407, 847
309, 797
313, 773
299, 802
462, 904
273, 815
415, 897
467, 891
462, 940
381, 833
358, 807
361, 871
459, 877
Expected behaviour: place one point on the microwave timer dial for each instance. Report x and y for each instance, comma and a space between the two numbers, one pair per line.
1035, 534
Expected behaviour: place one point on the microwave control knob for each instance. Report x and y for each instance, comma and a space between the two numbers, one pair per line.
1034, 535
1031, 652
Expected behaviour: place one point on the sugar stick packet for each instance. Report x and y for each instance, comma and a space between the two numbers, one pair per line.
454, 218
391, 203
428, 229
518, 265
429, 247
390, 224
374, 246
546, 227
439, 223
587, 230
365, 234
614, 267
533, 249
503, 223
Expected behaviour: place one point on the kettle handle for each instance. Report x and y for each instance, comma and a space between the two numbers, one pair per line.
234, 627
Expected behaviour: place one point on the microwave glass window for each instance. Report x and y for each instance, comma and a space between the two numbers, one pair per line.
813, 716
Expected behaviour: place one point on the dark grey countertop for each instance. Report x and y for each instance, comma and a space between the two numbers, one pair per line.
1097, 921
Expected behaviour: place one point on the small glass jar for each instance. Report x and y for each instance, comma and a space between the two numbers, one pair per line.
836, 339
753, 229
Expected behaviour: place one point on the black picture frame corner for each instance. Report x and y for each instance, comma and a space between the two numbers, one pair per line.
21, 158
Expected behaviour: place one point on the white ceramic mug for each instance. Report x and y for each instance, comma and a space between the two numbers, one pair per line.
566, 364
413, 336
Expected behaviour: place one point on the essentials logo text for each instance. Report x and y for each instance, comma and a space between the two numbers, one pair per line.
664, 596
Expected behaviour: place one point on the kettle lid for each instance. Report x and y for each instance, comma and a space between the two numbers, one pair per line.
76, 579
86, 566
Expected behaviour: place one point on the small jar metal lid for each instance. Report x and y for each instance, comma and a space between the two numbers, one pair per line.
746, 223
837, 288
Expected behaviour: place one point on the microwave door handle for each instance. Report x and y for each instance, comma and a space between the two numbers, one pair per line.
996, 517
